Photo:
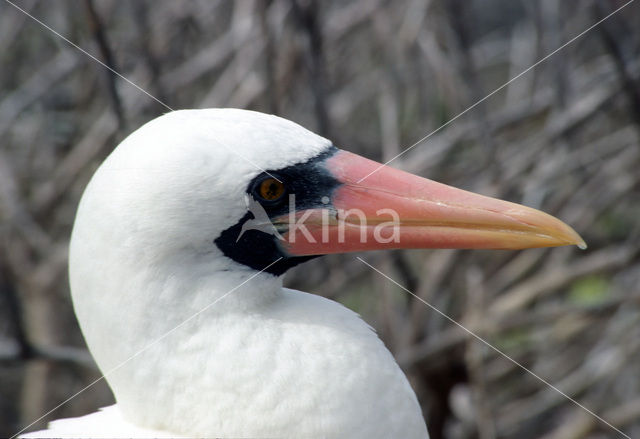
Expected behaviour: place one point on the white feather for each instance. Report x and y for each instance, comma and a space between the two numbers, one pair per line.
263, 361
105, 423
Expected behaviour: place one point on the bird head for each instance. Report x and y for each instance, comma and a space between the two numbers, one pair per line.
256, 191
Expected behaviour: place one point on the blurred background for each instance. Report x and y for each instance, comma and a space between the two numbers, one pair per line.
375, 76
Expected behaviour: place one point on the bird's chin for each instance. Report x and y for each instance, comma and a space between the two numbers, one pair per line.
379, 207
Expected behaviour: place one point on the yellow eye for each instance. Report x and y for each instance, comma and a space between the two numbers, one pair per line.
270, 189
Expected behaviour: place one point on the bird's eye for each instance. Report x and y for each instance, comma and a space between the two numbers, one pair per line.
270, 189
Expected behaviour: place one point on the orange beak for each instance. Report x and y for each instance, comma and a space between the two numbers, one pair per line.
392, 209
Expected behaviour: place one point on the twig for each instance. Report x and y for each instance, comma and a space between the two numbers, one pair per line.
99, 34
308, 16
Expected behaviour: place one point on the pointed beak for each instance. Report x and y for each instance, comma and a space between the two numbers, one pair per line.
391, 209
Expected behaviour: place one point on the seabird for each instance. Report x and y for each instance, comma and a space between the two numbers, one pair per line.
177, 284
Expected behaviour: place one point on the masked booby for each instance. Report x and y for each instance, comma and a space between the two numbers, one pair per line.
206, 210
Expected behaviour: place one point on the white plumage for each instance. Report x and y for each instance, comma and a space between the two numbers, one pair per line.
263, 361
108, 422
179, 294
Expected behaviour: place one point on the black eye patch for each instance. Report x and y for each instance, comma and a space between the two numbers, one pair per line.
305, 184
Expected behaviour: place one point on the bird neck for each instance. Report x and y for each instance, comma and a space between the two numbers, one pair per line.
142, 310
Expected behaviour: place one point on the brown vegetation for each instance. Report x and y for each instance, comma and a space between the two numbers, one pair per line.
375, 76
